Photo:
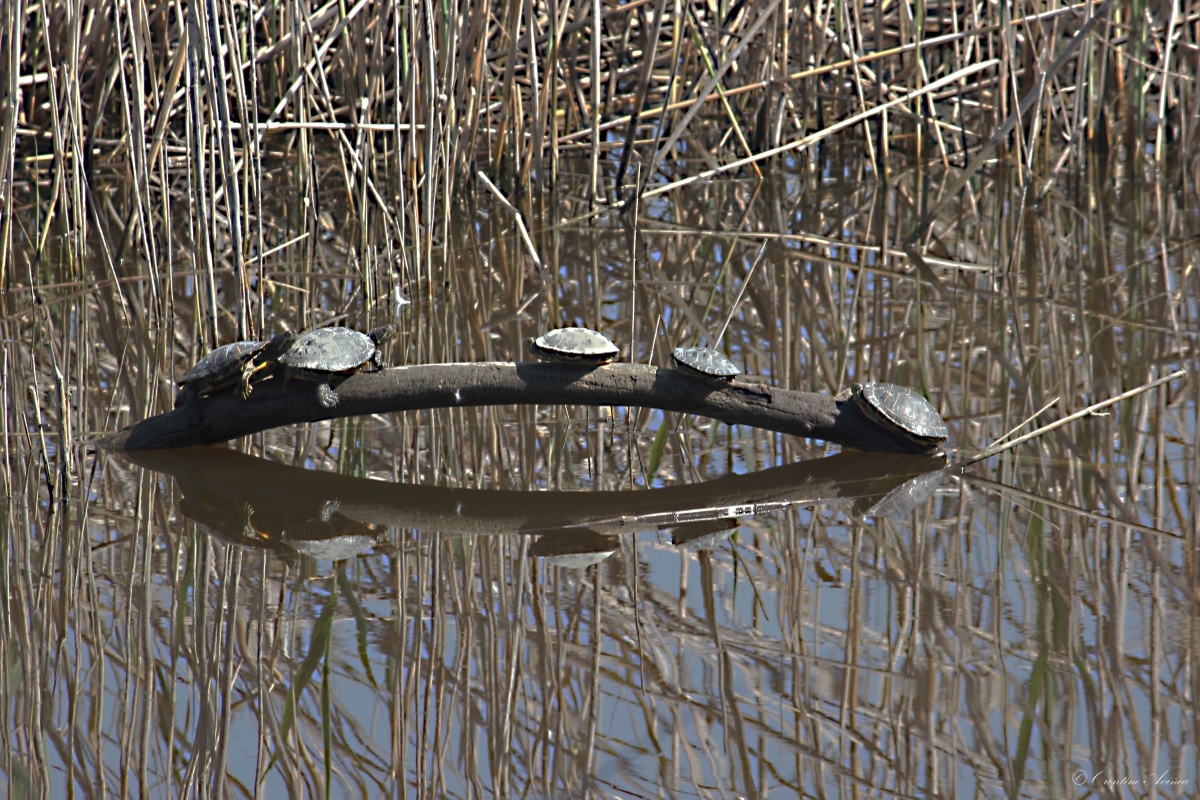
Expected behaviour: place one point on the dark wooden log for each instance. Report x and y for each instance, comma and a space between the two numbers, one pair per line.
224, 416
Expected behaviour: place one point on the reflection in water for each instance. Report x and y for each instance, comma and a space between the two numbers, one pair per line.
704, 535
563, 601
226, 490
535, 617
904, 498
245, 501
575, 549
281, 523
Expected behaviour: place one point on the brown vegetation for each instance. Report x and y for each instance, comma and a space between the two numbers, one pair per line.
993, 203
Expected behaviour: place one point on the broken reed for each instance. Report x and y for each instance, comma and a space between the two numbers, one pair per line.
128, 127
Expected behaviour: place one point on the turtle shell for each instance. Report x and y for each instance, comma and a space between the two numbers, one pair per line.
221, 367
337, 548
329, 350
230, 363
704, 362
574, 346
903, 410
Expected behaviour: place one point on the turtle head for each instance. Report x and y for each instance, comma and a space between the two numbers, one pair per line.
280, 343
383, 333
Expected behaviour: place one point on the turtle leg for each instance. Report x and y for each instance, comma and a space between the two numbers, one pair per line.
244, 384
326, 396
183, 396
328, 509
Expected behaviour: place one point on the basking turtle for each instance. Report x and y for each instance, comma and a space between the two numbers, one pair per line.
704, 362
328, 352
574, 346
902, 411
237, 362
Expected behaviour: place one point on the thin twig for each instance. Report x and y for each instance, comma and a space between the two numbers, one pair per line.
741, 293
517, 214
1092, 409
1034, 416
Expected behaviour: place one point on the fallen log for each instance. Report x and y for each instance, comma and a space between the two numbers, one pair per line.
275, 402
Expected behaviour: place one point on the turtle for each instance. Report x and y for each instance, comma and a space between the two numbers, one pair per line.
236, 362
906, 496
574, 346
575, 549
902, 411
704, 362
327, 352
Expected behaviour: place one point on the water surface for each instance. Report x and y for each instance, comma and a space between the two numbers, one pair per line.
554, 601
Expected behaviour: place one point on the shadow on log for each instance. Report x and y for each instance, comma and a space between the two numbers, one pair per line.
224, 416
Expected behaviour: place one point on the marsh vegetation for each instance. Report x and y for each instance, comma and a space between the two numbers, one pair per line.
989, 202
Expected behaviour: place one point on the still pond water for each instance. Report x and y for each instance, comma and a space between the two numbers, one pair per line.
618, 602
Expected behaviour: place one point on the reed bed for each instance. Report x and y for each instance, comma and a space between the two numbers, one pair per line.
994, 203
227, 138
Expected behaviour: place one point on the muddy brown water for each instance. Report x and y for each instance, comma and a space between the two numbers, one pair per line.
553, 601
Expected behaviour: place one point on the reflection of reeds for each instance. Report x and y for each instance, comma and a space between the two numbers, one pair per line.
175, 176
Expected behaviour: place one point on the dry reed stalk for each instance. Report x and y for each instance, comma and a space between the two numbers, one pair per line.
597, 32
706, 57
516, 217
649, 43
811, 139
764, 16
124, 125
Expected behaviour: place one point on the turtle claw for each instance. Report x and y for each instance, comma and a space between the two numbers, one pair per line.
244, 384
326, 396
